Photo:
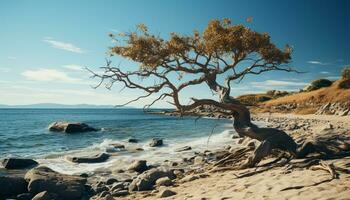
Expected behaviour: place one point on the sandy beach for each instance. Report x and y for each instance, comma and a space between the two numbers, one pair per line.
276, 183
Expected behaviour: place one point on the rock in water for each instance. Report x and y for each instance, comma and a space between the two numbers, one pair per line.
138, 166
90, 159
132, 140
66, 187
185, 148
156, 142
11, 186
70, 127
147, 179
18, 163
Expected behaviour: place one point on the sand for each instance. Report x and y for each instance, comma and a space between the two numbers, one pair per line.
308, 183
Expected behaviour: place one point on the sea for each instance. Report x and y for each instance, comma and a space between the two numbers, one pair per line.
24, 133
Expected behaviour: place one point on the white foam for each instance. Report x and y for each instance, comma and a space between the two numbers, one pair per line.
152, 155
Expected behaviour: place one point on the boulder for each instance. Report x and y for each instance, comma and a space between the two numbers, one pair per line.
11, 186
65, 186
166, 193
90, 159
45, 196
138, 166
18, 163
156, 142
132, 140
147, 179
185, 148
70, 127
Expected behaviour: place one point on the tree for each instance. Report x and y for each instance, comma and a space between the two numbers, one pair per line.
222, 50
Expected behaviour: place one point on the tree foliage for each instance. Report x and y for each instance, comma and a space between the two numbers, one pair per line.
222, 49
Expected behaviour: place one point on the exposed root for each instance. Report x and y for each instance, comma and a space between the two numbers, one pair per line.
327, 167
303, 186
330, 168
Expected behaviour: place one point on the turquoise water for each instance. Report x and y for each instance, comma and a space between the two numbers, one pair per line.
24, 133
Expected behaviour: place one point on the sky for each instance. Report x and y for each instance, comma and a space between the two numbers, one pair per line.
45, 44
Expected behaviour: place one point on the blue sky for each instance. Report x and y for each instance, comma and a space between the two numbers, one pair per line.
45, 44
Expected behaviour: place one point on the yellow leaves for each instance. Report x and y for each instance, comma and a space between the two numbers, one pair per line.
220, 38
142, 27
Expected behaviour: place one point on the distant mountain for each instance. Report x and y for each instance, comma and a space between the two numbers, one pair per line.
54, 105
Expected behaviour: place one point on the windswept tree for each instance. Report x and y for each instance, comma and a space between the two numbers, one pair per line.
221, 56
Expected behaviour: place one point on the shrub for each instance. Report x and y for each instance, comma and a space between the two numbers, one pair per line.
344, 84
317, 84
263, 98
345, 73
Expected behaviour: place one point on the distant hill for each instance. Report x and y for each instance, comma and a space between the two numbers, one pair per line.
335, 97
54, 105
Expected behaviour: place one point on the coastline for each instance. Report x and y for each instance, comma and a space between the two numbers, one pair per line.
193, 178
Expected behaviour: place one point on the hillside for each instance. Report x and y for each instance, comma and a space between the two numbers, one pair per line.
336, 96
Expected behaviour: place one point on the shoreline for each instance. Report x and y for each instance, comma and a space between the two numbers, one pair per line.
191, 170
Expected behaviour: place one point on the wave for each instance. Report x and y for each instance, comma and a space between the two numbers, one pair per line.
121, 159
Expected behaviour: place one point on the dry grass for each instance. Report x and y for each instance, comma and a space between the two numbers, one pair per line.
319, 97
305, 111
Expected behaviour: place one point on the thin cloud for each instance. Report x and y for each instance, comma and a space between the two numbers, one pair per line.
315, 62
277, 83
49, 75
63, 45
74, 67
324, 72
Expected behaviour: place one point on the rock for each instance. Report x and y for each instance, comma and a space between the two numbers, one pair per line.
118, 146
178, 173
132, 140
110, 181
84, 175
18, 163
165, 181
99, 188
65, 186
185, 148
11, 186
70, 127
24, 196
166, 193
156, 142
108, 197
138, 166
103, 194
189, 178
45, 196
198, 160
118, 186
90, 159
120, 193
147, 179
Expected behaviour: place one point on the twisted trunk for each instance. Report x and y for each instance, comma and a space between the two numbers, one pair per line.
270, 138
